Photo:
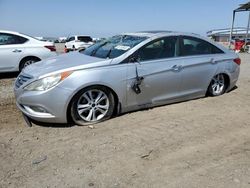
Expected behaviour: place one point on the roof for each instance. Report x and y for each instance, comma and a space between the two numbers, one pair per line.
243, 7
158, 33
155, 32
11, 32
147, 33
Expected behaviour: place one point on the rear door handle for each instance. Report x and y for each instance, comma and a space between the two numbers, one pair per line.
213, 61
176, 68
17, 51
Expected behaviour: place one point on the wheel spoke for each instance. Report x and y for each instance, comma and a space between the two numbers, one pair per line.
213, 86
93, 115
101, 99
83, 108
218, 88
214, 79
221, 87
99, 96
90, 95
88, 118
101, 110
87, 97
105, 107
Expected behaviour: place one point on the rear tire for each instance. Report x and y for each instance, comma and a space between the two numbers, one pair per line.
217, 86
92, 105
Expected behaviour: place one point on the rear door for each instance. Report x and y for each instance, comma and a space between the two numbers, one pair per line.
199, 63
11, 51
158, 67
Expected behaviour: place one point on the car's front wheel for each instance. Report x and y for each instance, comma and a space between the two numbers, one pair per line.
218, 85
92, 105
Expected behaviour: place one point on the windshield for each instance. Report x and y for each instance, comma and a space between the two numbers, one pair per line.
114, 46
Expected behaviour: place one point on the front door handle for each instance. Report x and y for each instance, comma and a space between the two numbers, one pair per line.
176, 68
17, 51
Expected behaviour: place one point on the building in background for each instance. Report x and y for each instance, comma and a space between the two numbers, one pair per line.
223, 35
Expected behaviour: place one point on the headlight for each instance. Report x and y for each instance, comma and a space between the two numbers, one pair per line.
48, 82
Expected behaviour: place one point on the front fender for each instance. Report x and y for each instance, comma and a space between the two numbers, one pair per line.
113, 77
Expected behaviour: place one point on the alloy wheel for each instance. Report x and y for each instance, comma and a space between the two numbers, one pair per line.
218, 84
93, 105
29, 62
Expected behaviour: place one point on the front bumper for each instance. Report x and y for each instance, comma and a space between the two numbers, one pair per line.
44, 106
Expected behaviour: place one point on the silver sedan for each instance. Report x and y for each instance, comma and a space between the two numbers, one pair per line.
125, 73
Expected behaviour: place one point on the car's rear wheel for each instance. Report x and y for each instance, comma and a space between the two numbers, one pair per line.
218, 85
28, 61
92, 105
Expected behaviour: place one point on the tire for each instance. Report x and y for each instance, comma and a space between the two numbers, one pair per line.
92, 105
27, 61
217, 86
73, 48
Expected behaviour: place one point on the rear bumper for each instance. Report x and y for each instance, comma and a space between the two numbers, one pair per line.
234, 78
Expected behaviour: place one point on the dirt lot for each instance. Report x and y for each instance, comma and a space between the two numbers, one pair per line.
199, 143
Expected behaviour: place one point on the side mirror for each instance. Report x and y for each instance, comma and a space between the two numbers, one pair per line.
134, 59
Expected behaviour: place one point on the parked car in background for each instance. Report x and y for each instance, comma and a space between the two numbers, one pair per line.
78, 42
62, 39
18, 50
125, 73
48, 39
95, 40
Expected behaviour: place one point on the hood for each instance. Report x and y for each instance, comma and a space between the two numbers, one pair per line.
69, 61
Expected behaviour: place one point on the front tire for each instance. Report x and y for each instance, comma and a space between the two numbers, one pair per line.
92, 105
217, 86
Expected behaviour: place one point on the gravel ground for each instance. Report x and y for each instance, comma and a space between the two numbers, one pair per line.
199, 143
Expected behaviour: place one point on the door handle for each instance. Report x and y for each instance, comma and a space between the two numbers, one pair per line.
17, 51
176, 68
213, 61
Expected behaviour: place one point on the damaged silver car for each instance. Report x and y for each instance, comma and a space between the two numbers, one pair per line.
125, 73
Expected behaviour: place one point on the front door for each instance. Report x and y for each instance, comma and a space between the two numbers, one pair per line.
160, 70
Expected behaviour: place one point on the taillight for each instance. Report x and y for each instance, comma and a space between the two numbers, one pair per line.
237, 61
51, 48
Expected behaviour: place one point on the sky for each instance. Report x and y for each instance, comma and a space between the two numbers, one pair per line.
103, 18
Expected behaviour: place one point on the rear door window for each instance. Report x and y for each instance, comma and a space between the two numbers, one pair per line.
196, 46
8, 39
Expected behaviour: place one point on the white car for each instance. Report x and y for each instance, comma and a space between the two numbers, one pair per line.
18, 50
78, 42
